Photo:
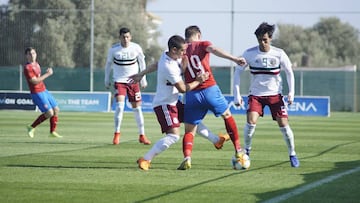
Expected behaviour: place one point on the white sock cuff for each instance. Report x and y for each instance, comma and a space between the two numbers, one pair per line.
174, 137
137, 109
251, 125
120, 104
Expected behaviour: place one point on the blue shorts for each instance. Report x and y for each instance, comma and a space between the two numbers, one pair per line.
44, 101
199, 102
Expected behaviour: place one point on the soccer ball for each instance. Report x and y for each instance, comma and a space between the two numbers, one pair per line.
243, 162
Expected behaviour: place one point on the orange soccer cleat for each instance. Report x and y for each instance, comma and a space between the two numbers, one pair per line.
143, 139
116, 139
222, 139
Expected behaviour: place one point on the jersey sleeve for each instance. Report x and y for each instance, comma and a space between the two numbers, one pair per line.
236, 85
173, 74
108, 67
142, 64
285, 63
28, 72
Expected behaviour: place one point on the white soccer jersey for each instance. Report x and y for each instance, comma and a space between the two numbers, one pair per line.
265, 70
124, 61
168, 73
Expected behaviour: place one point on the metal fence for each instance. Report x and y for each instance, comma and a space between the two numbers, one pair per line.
338, 83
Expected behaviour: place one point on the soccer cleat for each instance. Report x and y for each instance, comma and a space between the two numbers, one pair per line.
222, 139
247, 151
55, 135
186, 164
143, 139
31, 131
294, 161
239, 154
143, 164
116, 139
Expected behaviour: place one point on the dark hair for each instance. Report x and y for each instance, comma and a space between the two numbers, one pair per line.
28, 49
176, 41
191, 30
263, 29
124, 30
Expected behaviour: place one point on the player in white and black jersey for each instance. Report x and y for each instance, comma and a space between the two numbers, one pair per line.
265, 63
126, 58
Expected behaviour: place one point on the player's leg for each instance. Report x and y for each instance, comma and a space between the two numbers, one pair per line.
232, 130
279, 113
43, 104
255, 110
118, 116
219, 106
217, 140
194, 112
120, 92
53, 116
169, 126
288, 136
134, 96
53, 123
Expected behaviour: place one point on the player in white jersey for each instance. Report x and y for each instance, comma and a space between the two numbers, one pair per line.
265, 63
125, 59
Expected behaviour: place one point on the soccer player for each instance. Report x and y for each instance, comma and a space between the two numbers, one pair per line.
206, 96
39, 94
165, 103
265, 63
125, 59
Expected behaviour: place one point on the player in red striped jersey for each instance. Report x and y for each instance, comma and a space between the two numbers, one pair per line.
265, 63
40, 95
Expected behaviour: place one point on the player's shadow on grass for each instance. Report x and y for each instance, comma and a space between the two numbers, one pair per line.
189, 187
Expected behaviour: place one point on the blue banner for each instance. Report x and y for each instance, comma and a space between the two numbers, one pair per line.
83, 101
16, 100
302, 105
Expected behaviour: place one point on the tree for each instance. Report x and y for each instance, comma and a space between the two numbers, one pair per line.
328, 43
60, 30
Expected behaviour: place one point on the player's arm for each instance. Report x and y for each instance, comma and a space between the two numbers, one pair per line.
137, 77
238, 101
287, 66
142, 66
184, 87
291, 84
36, 80
108, 70
223, 54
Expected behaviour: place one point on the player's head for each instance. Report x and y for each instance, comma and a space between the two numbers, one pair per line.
125, 36
176, 46
264, 35
30, 54
192, 31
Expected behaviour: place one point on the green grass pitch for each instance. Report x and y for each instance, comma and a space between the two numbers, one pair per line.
84, 166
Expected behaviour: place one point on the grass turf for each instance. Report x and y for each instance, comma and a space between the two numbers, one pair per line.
85, 167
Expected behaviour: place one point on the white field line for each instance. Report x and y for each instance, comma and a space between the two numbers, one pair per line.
310, 186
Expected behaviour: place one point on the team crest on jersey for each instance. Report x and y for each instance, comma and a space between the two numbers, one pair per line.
272, 62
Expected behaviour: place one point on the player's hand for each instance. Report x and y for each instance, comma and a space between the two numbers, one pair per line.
135, 78
290, 99
107, 85
49, 71
240, 61
202, 77
143, 84
239, 101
